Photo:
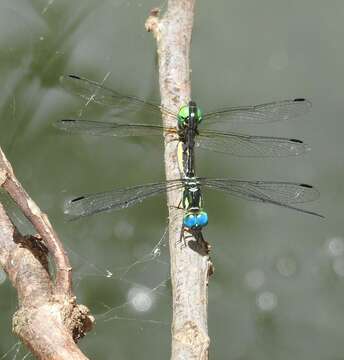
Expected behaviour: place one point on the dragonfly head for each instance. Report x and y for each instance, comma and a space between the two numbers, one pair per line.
186, 112
195, 220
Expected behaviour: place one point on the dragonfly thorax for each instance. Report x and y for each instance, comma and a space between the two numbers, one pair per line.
192, 197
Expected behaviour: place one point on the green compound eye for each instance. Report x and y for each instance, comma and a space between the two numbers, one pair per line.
199, 115
183, 114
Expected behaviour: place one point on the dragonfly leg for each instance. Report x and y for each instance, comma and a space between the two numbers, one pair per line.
179, 207
182, 238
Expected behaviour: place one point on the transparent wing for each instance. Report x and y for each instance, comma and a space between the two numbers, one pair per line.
99, 128
250, 146
277, 193
116, 199
269, 112
93, 91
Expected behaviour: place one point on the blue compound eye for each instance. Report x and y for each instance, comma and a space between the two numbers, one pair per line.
202, 219
190, 221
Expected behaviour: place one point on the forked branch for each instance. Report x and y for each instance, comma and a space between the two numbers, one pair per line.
48, 320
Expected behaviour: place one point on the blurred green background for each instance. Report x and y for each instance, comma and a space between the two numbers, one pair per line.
278, 287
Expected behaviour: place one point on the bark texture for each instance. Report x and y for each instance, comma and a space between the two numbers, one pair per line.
48, 320
190, 269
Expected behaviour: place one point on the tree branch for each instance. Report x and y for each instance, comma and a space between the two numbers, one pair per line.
48, 320
189, 269
41, 223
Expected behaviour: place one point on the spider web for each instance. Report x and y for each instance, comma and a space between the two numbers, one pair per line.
16, 351
140, 296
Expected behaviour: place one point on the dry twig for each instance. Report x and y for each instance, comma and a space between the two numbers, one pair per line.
189, 269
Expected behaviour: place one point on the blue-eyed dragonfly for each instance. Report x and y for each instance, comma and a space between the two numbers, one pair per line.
279, 193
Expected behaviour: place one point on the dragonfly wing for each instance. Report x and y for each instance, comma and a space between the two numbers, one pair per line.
99, 128
93, 91
277, 193
249, 146
268, 112
116, 199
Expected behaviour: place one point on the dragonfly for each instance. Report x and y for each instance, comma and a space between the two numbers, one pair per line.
189, 117
279, 193
283, 194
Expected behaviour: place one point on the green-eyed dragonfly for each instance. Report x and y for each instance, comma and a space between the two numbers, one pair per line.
278, 193
284, 194
226, 142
